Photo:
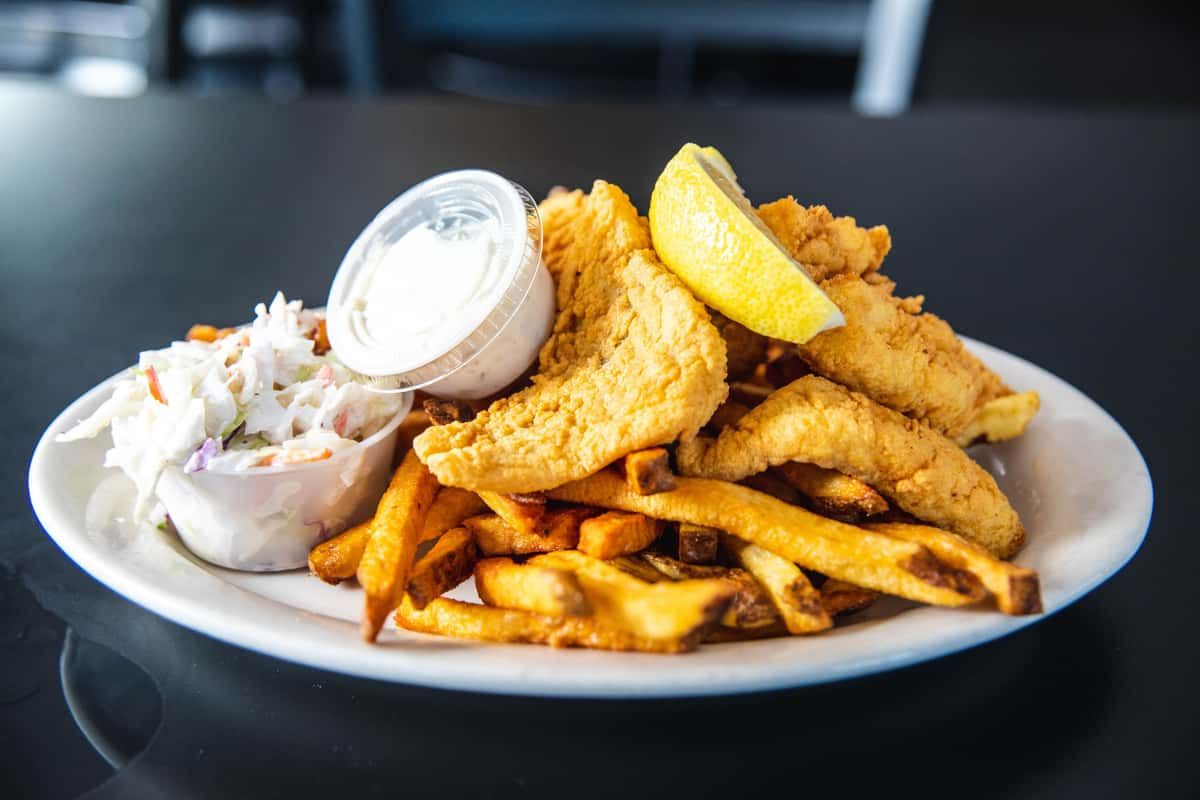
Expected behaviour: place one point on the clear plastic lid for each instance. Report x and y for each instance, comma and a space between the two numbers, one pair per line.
445, 202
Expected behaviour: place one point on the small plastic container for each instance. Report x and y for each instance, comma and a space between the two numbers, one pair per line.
488, 345
266, 519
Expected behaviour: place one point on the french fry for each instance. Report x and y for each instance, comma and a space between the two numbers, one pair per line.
798, 603
833, 493
722, 634
786, 368
666, 610
448, 563
744, 349
1004, 418
638, 568
523, 512
728, 413
809, 540
698, 544
208, 333
649, 471
1016, 589
617, 533
770, 483
320, 339
749, 394
840, 598
443, 412
336, 559
751, 607
388, 556
410, 428
559, 530
542, 590
460, 620
450, 507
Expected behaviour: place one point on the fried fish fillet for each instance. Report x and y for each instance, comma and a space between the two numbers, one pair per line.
818, 421
907, 360
633, 361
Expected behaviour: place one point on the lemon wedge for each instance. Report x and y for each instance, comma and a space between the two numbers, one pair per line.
707, 233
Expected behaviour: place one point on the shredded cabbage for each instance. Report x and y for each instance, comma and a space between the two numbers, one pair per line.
232, 403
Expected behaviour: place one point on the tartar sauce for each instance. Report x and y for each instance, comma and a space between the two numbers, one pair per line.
445, 289
426, 292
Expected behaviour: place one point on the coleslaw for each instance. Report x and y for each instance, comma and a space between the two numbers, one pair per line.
262, 396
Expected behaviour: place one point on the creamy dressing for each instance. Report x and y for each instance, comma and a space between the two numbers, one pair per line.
445, 289
424, 293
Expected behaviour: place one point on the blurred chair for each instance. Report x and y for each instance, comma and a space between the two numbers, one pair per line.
112, 49
866, 51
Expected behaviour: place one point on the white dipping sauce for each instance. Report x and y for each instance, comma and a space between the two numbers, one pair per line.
445, 289
423, 295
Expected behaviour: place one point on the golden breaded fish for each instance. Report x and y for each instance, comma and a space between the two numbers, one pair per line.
633, 362
906, 360
820, 422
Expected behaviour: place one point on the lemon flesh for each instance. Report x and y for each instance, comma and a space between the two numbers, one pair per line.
707, 233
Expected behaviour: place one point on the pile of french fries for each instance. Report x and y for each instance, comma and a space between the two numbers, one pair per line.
638, 558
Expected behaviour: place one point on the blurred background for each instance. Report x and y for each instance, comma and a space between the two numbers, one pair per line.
879, 57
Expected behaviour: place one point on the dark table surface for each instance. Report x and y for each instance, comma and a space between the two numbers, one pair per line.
1068, 238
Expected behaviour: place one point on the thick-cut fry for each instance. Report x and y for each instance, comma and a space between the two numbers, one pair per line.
446, 565
770, 483
728, 413
819, 422
523, 512
443, 412
542, 590
723, 634
335, 560
825, 545
412, 426
208, 333
744, 349
798, 603
559, 530
1003, 418
1016, 589
833, 493
751, 607
638, 568
460, 620
387, 559
698, 544
617, 533
320, 339
649, 471
840, 598
656, 610
450, 507
748, 393
785, 369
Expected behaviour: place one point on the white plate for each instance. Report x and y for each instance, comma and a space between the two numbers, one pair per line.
1077, 480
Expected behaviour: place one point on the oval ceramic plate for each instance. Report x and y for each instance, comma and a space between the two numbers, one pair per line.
1077, 480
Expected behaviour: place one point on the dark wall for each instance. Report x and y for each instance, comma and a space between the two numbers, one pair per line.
1061, 53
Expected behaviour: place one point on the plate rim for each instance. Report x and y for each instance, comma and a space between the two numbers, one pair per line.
408, 668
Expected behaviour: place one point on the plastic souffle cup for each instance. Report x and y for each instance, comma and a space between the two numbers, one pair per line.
267, 519
471, 350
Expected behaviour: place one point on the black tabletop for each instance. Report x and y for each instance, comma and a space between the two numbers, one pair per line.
1068, 238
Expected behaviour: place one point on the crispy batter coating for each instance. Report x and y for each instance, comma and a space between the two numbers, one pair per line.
633, 362
820, 422
908, 361
824, 244
744, 348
